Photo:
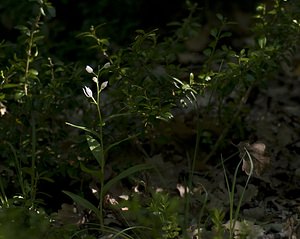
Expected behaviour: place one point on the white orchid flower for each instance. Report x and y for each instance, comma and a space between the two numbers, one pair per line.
88, 92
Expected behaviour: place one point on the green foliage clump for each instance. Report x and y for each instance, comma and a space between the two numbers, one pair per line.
18, 222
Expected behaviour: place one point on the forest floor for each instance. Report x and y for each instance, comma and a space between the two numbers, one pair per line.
271, 204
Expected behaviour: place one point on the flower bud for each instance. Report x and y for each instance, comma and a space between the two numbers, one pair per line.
103, 85
95, 79
89, 69
106, 65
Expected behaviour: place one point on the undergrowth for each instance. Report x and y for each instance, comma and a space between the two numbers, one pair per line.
134, 94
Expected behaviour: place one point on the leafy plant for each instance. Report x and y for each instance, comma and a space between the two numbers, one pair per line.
20, 88
99, 150
166, 210
158, 215
18, 222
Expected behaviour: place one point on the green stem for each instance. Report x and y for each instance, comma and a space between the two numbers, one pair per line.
102, 157
192, 166
33, 183
28, 51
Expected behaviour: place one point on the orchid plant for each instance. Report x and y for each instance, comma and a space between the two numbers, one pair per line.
99, 149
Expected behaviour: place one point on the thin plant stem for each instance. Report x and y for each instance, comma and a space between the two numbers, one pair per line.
33, 160
192, 166
33, 31
102, 157
246, 184
18, 168
97, 102
102, 164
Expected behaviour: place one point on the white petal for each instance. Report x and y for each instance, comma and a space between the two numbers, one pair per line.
87, 91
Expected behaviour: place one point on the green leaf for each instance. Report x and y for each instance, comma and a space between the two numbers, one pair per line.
226, 34
27, 170
214, 32
178, 81
220, 16
124, 174
10, 85
84, 128
119, 142
207, 52
165, 116
93, 172
47, 179
33, 72
95, 147
115, 116
83, 202
262, 41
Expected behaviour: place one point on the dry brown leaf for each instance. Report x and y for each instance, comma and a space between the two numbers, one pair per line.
255, 152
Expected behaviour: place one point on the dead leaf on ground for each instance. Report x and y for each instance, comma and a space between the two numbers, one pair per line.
256, 153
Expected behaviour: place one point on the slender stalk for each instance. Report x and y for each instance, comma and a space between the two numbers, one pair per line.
102, 163
102, 156
33, 183
33, 31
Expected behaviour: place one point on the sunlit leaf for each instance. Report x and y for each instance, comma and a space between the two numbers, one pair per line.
84, 128
95, 148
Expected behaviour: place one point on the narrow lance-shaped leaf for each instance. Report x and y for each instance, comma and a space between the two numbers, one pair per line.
124, 174
84, 128
119, 142
95, 148
93, 172
84, 203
